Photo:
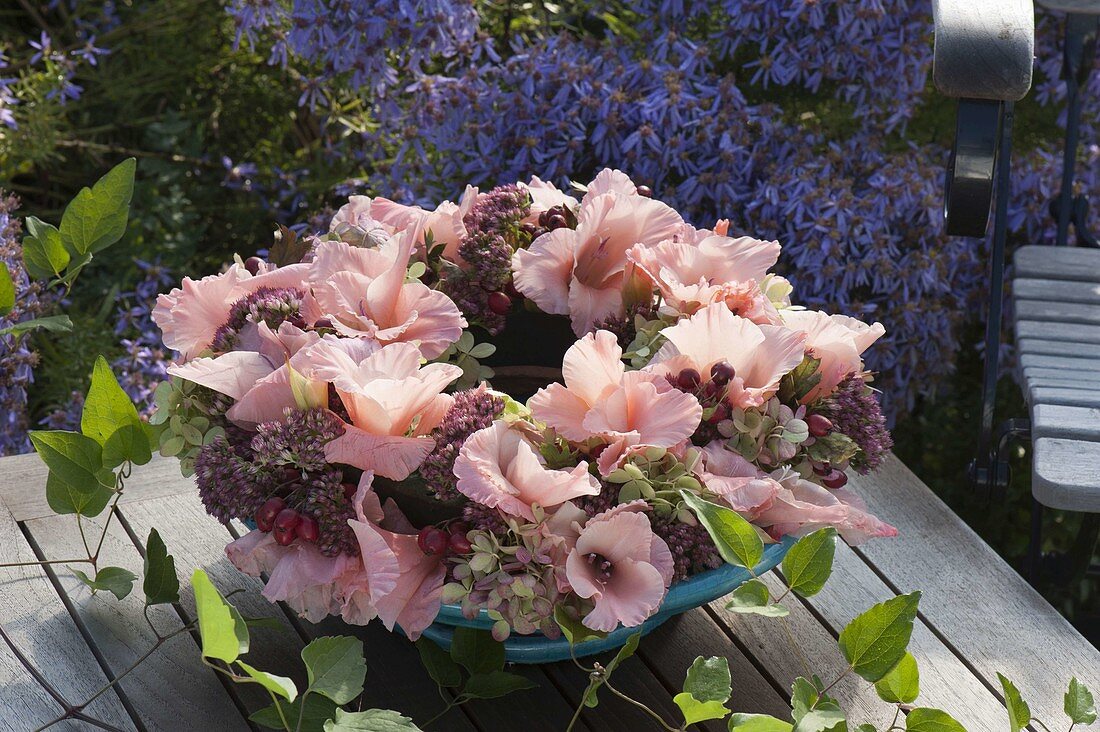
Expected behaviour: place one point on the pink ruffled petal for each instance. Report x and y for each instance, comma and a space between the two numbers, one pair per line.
232, 374
264, 402
389, 456
561, 409
634, 593
593, 364
542, 271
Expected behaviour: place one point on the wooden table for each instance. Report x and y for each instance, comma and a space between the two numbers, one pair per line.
977, 617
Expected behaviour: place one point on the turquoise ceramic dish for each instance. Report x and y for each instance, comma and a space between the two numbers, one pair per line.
682, 596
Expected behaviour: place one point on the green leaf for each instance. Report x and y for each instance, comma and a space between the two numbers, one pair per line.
876, 640
96, 218
477, 651
372, 720
280, 685
160, 584
807, 696
628, 650
902, 684
52, 323
111, 419
822, 720
73, 457
923, 719
495, 684
1019, 713
43, 253
809, 562
699, 711
708, 679
574, 630
7, 290
1079, 704
128, 442
753, 597
336, 667
87, 498
736, 539
318, 710
223, 630
116, 580
758, 723
441, 667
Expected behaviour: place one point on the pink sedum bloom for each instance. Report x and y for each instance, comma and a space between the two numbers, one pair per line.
582, 272
501, 468
760, 354
839, 341
621, 565
600, 399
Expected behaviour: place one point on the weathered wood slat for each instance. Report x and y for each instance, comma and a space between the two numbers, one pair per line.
972, 599
1066, 332
1044, 361
1058, 348
1065, 474
1057, 263
1070, 396
1075, 423
31, 611
173, 683
1062, 291
1058, 312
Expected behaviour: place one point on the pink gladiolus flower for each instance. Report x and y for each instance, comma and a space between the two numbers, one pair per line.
601, 399
393, 404
691, 275
581, 272
759, 354
835, 339
364, 292
621, 565
545, 196
444, 223
499, 467
354, 224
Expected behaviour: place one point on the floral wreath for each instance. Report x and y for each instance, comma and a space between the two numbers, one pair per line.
335, 396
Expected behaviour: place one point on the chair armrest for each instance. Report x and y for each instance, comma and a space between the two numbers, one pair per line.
984, 49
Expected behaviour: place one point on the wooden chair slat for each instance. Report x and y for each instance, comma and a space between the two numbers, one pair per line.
1065, 332
1024, 288
1056, 420
1065, 475
1045, 361
1070, 396
1039, 346
1057, 263
1059, 312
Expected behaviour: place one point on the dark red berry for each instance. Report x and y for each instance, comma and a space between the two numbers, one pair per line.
432, 540
688, 379
721, 411
822, 469
307, 529
459, 527
499, 303
323, 323
835, 479
722, 373
265, 516
645, 191
285, 524
511, 291
252, 264
459, 544
557, 221
349, 490
819, 425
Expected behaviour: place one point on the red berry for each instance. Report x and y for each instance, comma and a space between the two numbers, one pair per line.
835, 479
822, 469
285, 524
645, 191
721, 411
432, 540
722, 373
688, 379
499, 303
557, 221
252, 264
323, 323
307, 529
349, 490
265, 516
459, 544
819, 425
459, 527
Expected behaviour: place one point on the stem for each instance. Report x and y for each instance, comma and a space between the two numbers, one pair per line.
450, 705
640, 705
83, 537
580, 707
279, 708
1040, 723
797, 648
41, 562
33, 671
161, 640
837, 681
301, 710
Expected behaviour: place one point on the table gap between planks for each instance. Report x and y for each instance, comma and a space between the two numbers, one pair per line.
978, 617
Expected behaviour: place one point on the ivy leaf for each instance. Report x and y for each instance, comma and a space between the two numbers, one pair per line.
699, 711
73, 457
160, 584
441, 667
318, 710
822, 720
7, 290
108, 411
116, 580
809, 562
923, 719
736, 539
809, 705
495, 684
1079, 704
1019, 713
574, 630
52, 323
476, 650
902, 684
336, 667
372, 720
624, 653
96, 218
223, 630
753, 597
128, 442
758, 723
87, 498
44, 255
708, 679
280, 685
877, 639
